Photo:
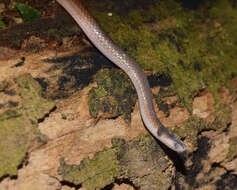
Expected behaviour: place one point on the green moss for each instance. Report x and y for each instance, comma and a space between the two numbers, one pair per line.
28, 13
193, 126
163, 106
195, 52
223, 117
16, 133
42, 28
232, 152
94, 173
3, 85
2, 24
33, 105
142, 161
115, 95
54, 33
18, 126
196, 49
10, 114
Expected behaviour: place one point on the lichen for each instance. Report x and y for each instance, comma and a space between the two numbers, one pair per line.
115, 95
18, 126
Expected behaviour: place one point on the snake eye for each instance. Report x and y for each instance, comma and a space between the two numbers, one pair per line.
176, 145
179, 146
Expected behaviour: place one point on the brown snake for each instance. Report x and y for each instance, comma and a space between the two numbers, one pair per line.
115, 54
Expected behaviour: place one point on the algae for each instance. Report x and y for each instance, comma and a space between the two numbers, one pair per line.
18, 126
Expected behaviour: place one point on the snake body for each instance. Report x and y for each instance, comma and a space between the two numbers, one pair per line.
115, 54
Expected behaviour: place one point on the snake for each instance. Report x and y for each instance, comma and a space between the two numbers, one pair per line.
101, 40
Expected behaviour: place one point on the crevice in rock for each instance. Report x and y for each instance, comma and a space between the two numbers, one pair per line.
24, 162
228, 181
40, 120
108, 187
70, 184
126, 181
119, 182
227, 129
14, 177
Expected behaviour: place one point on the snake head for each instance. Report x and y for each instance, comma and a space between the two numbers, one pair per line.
170, 140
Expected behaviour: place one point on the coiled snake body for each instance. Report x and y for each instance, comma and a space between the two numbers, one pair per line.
103, 42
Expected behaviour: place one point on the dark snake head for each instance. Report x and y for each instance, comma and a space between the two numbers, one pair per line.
167, 138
